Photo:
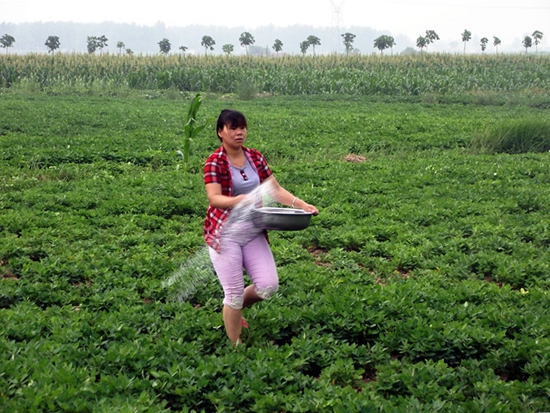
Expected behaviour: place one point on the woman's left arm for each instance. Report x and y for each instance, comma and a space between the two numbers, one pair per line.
284, 197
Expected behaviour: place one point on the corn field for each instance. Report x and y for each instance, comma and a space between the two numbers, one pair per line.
287, 75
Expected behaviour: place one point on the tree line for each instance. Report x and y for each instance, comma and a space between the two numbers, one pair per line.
527, 41
246, 39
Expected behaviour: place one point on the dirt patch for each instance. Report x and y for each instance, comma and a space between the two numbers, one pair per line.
317, 253
352, 157
5, 272
490, 279
9, 276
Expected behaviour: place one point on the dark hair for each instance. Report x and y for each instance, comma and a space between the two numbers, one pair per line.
233, 118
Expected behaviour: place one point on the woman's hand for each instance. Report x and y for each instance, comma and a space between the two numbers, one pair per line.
281, 195
306, 207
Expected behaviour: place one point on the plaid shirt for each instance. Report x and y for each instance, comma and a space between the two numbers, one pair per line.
217, 171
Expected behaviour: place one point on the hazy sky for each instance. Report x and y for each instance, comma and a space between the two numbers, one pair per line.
507, 19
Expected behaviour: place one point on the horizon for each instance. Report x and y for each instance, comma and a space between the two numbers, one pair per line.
144, 39
448, 18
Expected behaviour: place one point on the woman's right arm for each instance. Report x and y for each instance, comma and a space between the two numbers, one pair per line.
217, 200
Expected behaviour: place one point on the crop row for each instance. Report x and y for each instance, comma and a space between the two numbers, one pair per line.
359, 75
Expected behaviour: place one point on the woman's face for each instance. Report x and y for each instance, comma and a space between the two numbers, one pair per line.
233, 136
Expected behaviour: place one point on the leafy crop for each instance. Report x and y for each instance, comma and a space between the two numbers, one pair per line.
429, 74
421, 286
191, 129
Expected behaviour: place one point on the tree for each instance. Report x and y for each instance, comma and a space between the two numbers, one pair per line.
380, 44
483, 43
183, 48
129, 52
227, 48
102, 42
120, 46
52, 43
277, 46
527, 42
421, 43
313, 41
7, 41
409, 51
91, 44
304, 46
94, 43
384, 42
208, 43
496, 43
391, 43
246, 40
348, 42
431, 36
538, 37
165, 46
466, 37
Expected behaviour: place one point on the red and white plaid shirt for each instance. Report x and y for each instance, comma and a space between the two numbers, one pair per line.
217, 171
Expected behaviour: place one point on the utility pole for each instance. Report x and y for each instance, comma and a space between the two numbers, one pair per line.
336, 24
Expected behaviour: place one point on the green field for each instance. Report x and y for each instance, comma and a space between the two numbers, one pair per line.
435, 75
422, 285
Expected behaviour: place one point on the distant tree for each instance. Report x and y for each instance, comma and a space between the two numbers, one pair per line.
165, 46
304, 46
421, 43
91, 44
94, 43
208, 43
246, 40
183, 48
496, 43
538, 37
52, 43
102, 42
227, 48
391, 42
313, 41
258, 50
384, 42
466, 37
120, 46
483, 43
129, 52
527, 42
277, 46
349, 38
431, 36
7, 41
380, 44
409, 51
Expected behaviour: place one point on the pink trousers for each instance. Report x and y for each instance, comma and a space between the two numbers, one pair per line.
255, 257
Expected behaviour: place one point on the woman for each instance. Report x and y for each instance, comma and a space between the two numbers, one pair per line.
230, 173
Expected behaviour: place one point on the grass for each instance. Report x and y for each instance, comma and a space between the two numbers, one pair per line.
514, 137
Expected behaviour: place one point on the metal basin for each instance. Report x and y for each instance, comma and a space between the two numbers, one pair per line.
281, 219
